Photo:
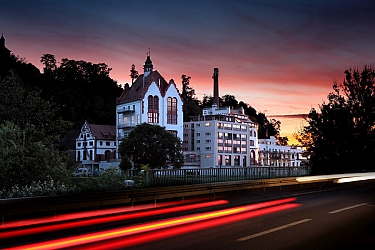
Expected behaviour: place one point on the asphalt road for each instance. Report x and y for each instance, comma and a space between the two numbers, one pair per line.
340, 219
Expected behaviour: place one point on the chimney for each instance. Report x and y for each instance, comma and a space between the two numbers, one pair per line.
215, 76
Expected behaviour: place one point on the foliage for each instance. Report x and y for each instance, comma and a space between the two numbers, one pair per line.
191, 103
29, 134
341, 136
24, 158
83, 89
133, 73
282, 140
152, 145
36, 188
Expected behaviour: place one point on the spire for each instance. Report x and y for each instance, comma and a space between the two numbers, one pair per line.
2, 40
148, 67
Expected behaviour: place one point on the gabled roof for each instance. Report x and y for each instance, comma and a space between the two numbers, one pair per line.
139, 88
101, 132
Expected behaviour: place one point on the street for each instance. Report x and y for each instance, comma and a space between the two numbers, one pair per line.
327, 220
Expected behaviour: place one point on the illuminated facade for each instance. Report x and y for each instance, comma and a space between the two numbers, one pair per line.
221, 137
96, 146
271, 154
152, 100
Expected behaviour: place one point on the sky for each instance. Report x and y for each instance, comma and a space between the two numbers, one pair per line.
280, 57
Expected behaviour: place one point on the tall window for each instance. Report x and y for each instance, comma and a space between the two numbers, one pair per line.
172, 110
153, 109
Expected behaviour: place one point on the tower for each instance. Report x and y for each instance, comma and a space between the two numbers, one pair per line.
148, 67
215, 76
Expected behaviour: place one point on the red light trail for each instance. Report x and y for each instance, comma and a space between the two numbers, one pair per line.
88, 222
176, 226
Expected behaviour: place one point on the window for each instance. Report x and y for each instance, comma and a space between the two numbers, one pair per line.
108, 143
101, 143
251, 143
198, 141
207, 133
153, 109
236, 160
172, 110
207, 148
90, 143
208, 156
198, 148
228, 160
78, 144
207, 124
198, 134
208, 141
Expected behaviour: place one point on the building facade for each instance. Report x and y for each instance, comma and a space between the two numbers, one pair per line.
152, 100
272, 154
95, 144
221, 137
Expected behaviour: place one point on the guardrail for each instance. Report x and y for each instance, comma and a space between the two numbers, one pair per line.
15, 207
169, 177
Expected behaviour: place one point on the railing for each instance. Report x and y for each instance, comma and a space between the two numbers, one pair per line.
175, 177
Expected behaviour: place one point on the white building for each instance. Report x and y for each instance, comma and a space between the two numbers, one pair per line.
221, 137
95, 145
152, 100
271, 154
224, 137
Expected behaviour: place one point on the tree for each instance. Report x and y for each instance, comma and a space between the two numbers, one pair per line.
267, 128
282, 140
341, 136
30, 133
133, 73
191, 107
83, 90
49, 63
230, 101
151, 145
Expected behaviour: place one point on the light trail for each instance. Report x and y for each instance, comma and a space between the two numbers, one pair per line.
170, 232
147, 227
94, 221
81, 215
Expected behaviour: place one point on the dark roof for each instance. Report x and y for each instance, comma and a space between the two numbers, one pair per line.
141, 85
103, 132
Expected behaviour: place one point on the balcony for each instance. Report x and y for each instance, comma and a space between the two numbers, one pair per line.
126, 125
125, 110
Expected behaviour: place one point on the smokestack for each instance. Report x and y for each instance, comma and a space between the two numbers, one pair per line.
216, 86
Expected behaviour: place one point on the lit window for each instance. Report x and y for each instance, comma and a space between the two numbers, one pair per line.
172, 110
207, 124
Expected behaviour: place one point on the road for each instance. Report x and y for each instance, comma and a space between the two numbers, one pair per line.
327, 220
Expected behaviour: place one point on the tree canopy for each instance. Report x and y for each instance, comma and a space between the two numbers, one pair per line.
29, 136
150, 145
341, 138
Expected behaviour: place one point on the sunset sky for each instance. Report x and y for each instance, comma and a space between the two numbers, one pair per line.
281, 57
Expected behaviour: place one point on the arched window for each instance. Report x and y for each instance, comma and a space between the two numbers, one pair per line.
153, 109
172, 110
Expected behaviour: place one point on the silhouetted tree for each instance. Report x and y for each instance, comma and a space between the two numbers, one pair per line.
191, 103
133, 73
230, 101
342, 134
